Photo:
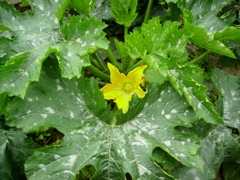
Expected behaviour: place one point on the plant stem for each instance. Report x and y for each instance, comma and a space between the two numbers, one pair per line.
198, 58
111, 57
96, 72
125, 31
100, 61
148, 11
141, 62
95, 63
114, 119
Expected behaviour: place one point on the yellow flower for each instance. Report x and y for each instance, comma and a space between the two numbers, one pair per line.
122, 87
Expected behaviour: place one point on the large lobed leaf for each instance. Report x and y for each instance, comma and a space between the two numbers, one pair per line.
90, 139
36, 35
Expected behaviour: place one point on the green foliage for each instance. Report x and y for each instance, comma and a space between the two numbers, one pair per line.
53, 62
84, 6
124, 11
15, 148
201, 19
97, 8
34, 42
229, 98
90, 139
166, 59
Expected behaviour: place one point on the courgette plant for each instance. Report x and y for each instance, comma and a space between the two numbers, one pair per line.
132, 105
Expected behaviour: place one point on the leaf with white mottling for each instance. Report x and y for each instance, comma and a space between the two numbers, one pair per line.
228, 87
36, 34
212, 152
89, 137
166, 41
206, 40
188, 81
100, 9
165, 49
201, 19
205, 13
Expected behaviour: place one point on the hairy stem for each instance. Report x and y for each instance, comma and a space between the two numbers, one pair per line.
148, 11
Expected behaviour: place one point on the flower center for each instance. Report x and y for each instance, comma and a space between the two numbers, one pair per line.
128, 87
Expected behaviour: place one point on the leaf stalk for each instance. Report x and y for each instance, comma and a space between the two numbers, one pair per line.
96, 72
100, 61
112, 58
148, 11
198, 58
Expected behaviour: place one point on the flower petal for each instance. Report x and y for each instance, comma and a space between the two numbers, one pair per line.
123, 102
136, 74
115, 75
140, 92
122, 87
111, 91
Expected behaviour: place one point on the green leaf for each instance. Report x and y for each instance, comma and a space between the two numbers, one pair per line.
83, 38
15, 148
164, 159
229, 142
114, 150
229, 33
135, 44
85, 6
97, 105
206, 40
37, 35
166, 50
228, 87
212, 152
205, 13
200, 19
124, 11
165, 41
157, 71
100, 9
188, 81
153, 75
